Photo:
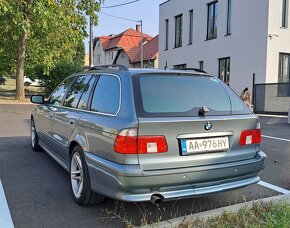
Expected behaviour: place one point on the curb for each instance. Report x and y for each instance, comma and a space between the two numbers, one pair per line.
216, 212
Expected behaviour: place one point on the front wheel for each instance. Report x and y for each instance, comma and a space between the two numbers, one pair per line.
34, 137
80, 180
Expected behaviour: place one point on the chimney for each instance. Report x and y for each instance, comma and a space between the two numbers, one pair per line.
138, 28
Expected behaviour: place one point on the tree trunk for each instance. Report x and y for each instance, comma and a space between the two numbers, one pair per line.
20, 94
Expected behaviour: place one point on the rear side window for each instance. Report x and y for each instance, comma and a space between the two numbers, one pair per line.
86, 94
58, 94
183, 95
106, 97
76, 90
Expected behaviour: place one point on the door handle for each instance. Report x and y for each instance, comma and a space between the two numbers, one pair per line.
71, 121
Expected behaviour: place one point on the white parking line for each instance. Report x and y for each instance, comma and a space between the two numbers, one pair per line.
273, 187
5, 217
270, 137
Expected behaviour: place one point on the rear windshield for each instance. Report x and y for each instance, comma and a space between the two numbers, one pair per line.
183, 95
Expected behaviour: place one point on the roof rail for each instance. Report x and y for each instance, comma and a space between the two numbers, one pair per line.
114, 67
192, 69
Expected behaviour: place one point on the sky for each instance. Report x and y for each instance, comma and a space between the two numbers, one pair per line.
145, 10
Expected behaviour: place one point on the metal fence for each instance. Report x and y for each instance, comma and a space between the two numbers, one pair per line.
273, 98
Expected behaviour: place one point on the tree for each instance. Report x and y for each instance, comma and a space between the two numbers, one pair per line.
50, 80
42, 32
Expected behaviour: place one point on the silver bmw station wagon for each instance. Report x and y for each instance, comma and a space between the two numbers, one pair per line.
148, 135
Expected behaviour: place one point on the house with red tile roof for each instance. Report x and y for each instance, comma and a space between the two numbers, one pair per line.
125, 49
131, 56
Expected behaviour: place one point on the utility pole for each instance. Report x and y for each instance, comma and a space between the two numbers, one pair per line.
141, 43
91, 51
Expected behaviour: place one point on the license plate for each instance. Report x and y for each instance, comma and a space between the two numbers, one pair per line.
204, 145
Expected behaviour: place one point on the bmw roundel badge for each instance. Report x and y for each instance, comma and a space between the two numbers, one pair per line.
208, 126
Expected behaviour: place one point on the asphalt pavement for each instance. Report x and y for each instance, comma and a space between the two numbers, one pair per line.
38, 191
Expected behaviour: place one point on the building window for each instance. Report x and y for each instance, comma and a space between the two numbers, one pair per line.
200, 63
229, 18
284, 68
178, 31
111, 55
284, 75
190, 27
284, 21
225, 70
180, 66
166, 33
212, 14
99, 58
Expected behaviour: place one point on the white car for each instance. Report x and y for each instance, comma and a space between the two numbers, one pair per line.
29, 82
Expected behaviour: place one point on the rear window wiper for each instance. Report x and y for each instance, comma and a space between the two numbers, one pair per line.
203, 110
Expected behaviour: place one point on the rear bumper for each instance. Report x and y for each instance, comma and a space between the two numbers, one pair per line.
131, 183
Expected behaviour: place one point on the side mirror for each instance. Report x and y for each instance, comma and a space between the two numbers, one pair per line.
37, 99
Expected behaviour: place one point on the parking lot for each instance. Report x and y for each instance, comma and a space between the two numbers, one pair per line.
38, 192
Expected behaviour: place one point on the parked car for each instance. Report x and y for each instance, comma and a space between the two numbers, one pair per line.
2, 80
148, 135
29, 82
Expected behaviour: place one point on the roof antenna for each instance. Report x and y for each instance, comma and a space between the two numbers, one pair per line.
166, 66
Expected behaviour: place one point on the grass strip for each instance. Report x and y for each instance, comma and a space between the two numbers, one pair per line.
261, 214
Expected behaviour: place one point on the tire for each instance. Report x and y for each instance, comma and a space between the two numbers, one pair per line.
80, 180
34, 138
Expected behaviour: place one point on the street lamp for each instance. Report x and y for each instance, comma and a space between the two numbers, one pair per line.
91, 57
141, 42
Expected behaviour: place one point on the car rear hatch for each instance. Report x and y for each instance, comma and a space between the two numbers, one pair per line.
199, 119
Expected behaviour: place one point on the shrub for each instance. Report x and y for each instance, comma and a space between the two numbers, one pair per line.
56, 75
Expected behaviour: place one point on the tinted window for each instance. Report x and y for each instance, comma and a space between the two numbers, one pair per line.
184, 96
75, 91
57, 96
86, 94
106, 95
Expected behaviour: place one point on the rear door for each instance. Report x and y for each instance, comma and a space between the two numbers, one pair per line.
199, 116
66, 116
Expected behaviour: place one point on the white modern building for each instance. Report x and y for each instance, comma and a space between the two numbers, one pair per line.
233, 39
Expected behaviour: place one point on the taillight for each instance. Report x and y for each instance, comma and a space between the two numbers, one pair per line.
151, 144
250, 137
128, 142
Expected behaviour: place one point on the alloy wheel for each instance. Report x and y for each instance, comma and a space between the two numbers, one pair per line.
77, 181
